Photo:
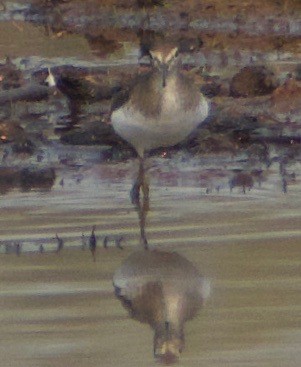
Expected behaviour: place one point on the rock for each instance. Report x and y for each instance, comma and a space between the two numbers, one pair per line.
149, 3
25, 146
8, 179
252, 81
26, 178
101, 46
211, 89
189, 44
226, 132
96, 133
52, 3
11, 132
10, 76
286, 98
208, 142
243, 180
28, 93
37, 178
231, 122
102, 134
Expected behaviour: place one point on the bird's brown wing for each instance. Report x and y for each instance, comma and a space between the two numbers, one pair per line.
119, 99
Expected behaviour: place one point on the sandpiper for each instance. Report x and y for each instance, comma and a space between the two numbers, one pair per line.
93, 243
161, 109
60, 243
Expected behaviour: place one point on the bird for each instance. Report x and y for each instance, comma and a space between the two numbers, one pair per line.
60, 243
18, 248
160, 109
164, 290
81, 87
93, 243
117, 239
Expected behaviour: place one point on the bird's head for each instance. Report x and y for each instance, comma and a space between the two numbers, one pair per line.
165, 60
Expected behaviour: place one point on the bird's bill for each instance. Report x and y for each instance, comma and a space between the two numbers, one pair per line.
164, 75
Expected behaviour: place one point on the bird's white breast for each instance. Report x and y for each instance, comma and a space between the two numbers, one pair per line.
173, 124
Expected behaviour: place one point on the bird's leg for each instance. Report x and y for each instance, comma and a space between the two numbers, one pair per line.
140, 183
145, 191
135, 191
142, 206
135, 194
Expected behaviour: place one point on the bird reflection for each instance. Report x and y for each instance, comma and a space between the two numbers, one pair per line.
164, 290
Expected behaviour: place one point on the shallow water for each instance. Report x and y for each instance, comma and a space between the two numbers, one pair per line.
60, 308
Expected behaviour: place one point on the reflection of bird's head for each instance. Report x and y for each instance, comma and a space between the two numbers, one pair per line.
168, 344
